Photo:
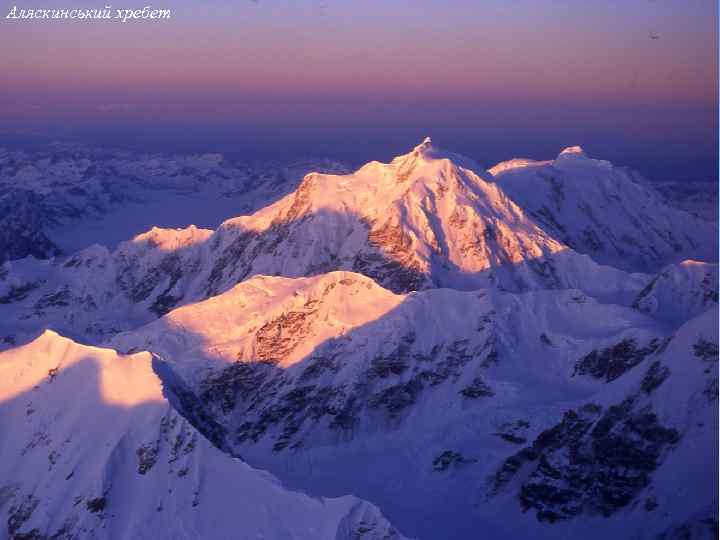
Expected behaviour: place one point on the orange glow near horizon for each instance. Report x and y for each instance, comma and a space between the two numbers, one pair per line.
282, 78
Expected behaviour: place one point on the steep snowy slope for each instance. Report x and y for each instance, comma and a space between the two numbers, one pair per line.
91, 448
427, 394
680, 292
407, 333
640, 459
288, 323
424, 220
699, 197
606, 212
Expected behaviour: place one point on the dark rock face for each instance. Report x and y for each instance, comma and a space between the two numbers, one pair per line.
706, 350
477, 389
286, 404
24, 506
146, 456
393, 264
514, 432
59, 298
397, 397
449, 458
158, 284
709, 289
654, 377
175, 434
610, 363
277, 338
237, 382
195, 412
226, 259
18, 293
21, 512
96, 505
171, 267
594, 461
22, 227
395, 363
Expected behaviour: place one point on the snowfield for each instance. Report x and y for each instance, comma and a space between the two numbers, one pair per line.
525, 352
99, 451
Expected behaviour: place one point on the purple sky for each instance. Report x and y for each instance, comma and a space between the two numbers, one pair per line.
632, 81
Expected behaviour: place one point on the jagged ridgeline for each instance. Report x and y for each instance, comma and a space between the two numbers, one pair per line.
525, 352
448, 391
427, 219
98, 451
68, 196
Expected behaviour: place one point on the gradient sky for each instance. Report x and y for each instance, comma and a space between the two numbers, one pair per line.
367, 79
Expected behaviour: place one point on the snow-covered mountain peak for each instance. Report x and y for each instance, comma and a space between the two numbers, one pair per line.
574, 158
171, 239
418, 330
332, 370
574, 151
425, 149
426, 220
267, 318
426, 144
571, 153
514, 163
680, 292
405, 166
97, 451
608, 212
125, 381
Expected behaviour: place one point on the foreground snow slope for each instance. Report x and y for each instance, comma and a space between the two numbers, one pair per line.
429, 395
607, 212
92, 448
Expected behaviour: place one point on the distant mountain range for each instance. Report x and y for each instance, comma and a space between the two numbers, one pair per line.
69, 197
529, 351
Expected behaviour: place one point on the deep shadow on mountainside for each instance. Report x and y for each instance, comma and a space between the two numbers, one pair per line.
99, 451
592, 454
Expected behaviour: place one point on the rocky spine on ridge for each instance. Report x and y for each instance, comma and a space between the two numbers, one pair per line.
427, 219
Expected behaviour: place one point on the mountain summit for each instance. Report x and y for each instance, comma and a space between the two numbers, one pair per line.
427, 143
427, 219
475, 403
422, 333
99, 450
573, 150
609, 213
